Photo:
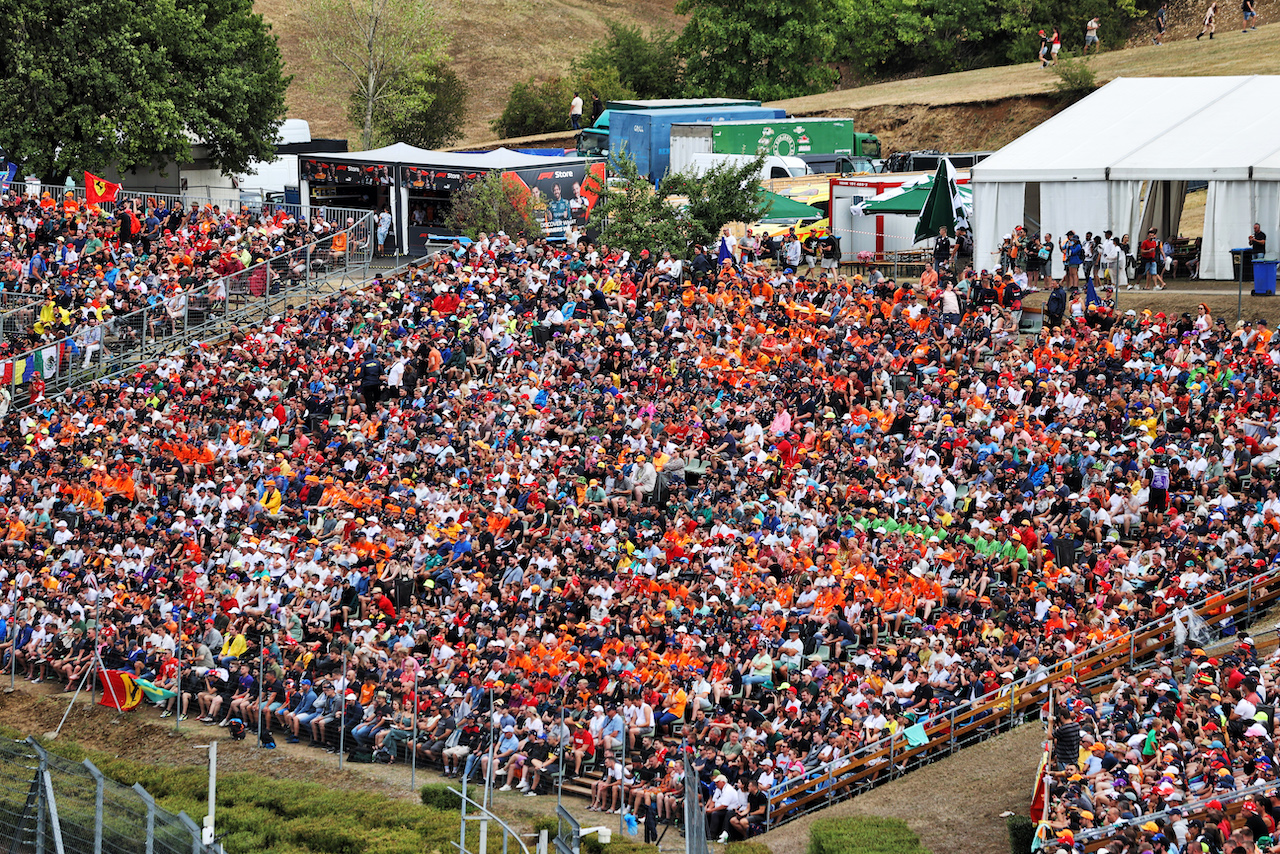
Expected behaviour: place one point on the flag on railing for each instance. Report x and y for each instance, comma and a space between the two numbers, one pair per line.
154, 692
1038, 790
98, 190
10, 172
50, 360
119, 690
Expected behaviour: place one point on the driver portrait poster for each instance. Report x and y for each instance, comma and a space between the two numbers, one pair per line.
562, 195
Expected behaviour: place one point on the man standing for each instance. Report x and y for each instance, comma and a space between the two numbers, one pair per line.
575, 111
1091, 36
942, 250
1158, 38
1257, 243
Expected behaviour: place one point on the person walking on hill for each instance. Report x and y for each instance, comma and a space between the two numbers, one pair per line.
1091, 36
1161, 23
1044, 50
1055, 44
1250, 15
1209, 15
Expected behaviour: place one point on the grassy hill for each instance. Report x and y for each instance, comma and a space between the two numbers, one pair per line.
498, 42
986, 108
495, 43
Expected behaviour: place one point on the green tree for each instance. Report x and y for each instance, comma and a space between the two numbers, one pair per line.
647, 65
369, 47
495, 202
727, 192
134, 83
757, 48
543, 107
426, 109
631, 213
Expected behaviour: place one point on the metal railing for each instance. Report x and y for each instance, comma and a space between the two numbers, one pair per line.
171, 322
478, 814
51, 805
889, 758
251, 200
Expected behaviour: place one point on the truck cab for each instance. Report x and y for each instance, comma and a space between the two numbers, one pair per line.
839, 164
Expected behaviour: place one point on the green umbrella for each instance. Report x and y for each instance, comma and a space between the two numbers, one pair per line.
776, 207
909, 202
945, 205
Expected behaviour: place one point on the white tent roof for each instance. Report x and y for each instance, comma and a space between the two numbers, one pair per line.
401, 152
1152, 128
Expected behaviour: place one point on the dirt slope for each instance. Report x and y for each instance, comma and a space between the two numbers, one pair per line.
495, 43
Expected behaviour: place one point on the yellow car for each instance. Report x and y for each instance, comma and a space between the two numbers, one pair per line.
803, 228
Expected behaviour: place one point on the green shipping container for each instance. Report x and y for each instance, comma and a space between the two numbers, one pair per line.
789, 138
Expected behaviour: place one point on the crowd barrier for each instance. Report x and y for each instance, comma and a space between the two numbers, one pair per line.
891, 757
150, 333
51, 805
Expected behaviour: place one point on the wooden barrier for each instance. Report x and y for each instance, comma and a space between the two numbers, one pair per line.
892, 756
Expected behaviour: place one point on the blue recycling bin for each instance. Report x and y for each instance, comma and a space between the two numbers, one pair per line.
1264, 277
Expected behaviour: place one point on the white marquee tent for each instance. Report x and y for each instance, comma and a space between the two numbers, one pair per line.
1120, 159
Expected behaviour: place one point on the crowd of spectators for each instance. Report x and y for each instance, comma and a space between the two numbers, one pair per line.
775, 518
69, 269
1147, 761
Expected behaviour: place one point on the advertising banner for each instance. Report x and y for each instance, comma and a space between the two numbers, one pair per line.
562, 195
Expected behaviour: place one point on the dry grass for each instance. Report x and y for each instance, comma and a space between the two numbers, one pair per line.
1231, 53
1192, 222
958, 798
494, 44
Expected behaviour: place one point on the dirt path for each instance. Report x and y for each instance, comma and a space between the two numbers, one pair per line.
959, 798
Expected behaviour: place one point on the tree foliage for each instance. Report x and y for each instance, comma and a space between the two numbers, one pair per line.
425, 108
895, 37
87, 85
647, 65
369, 47
543, 107
495, 202
725, 193
757, 48
630, 212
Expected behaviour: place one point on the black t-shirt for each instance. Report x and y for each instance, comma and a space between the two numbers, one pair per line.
756, 800
1259, 237
942, 250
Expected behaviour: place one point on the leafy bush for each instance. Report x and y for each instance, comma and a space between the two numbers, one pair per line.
543, 107
439, 796
863, 836
1076, 79
494, 203
1022, 831
647, 65
747, 848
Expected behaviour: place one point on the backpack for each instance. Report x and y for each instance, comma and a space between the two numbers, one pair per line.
383, 756
267, 740
361, 754
237, 729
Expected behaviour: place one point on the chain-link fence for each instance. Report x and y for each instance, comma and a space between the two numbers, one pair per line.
51, 805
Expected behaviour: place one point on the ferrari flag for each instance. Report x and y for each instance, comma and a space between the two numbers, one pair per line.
97, 190
119, 691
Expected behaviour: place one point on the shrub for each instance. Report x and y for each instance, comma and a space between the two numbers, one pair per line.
747, 848
439, 796
543, 106
863, 836
1076, 78
1022, 831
